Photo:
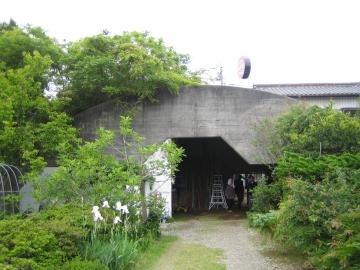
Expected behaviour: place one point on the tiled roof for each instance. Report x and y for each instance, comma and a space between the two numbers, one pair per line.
311, 89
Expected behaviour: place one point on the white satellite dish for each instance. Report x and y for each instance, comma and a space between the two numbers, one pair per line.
243, 67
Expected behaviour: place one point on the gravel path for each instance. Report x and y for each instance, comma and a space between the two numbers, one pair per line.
243, 248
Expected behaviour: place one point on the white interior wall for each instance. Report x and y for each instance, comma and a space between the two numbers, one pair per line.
163, 181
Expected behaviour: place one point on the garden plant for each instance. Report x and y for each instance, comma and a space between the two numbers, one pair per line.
313, 202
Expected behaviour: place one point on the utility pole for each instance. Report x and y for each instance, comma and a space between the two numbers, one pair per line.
221, 77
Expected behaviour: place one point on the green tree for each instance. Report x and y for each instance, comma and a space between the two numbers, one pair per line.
30, 127
92, 174
309, 131
4, 26
131, 65
305, 130
16, 41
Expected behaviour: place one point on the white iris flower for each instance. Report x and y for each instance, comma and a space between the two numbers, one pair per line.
117, 220
106, 204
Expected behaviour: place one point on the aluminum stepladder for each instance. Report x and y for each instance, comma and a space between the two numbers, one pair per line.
217, 194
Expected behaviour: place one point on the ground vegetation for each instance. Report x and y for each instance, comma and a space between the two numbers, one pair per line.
313, 203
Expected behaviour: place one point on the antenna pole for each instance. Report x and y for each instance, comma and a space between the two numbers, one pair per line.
221, 76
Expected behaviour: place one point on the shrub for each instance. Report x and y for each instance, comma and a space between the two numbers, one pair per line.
308, 214
266, 222
318, 171
28, 245
92, 174
70, 224
7, 267
267, 197
156, 206
40, 241
344, 252
314, 169
89, 177
78, 264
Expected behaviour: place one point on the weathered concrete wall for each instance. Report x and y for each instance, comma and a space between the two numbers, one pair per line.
205, 111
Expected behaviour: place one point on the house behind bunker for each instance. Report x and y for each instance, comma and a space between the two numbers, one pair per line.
215, 126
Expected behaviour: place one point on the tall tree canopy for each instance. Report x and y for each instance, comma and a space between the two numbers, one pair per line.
31, 129
16, 41
309, 131
129, 65
84, 73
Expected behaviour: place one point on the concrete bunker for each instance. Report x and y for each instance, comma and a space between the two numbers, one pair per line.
205, 157
215, 125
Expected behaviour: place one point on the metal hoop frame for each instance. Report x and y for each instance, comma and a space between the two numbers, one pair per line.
10, 183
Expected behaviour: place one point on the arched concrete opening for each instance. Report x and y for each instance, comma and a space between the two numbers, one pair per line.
204, 158
215, 124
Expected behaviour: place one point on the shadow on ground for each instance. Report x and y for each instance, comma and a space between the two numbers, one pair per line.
216, 214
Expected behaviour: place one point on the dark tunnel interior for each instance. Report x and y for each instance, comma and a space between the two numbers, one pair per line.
204, 158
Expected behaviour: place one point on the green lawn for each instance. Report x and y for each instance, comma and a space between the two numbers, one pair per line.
198, 257
152, 255
170, 253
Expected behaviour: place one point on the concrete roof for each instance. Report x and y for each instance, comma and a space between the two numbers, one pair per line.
196, 112
311, 89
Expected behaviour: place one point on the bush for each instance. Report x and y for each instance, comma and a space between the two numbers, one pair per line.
89, 177
78, 264
308, 215
265, 222
314, 169
156, 206
267, 197
7, 267
40, 241
28, 245
56, 237
320, 201
70, 224
344, 252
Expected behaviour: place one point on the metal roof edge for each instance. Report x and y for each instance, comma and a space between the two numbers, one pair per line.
266, 85
323, 95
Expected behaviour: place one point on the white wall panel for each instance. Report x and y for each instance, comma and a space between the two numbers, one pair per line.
339, 102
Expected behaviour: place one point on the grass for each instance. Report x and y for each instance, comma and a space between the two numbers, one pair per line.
198, 257
171, 253
152, 255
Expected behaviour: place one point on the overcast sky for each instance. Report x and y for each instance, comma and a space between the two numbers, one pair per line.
287, 41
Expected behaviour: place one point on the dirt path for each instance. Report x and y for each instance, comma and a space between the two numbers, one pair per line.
243, 248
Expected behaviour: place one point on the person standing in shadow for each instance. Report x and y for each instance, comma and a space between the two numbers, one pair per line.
230, 194
239, 190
